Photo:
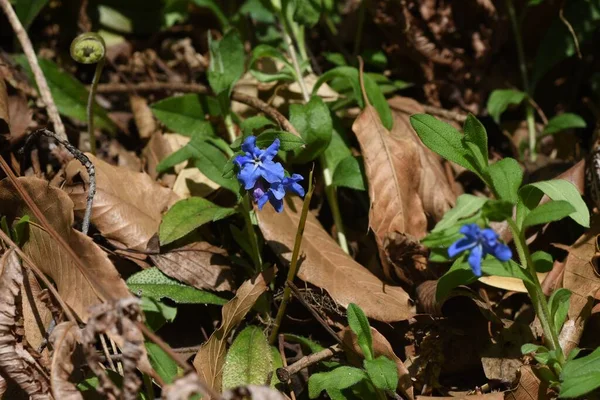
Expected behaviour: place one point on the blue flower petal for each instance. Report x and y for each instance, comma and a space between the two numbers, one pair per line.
242, 160
461, 245
489, 237
475, 260
502, 252
271, 171
278, 190
270, 152
277, 204
291, 184
248, 175
249, 145
262, 200
471, 231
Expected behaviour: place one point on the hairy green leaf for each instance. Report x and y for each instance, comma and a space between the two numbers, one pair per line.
360, 326
548, 212
350, 173
505, 177
313, 121
186, 114
249, 359
335, 380
383, 373
227, 60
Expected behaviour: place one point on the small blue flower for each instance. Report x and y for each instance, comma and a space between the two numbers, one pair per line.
480, 242
291, 184
257, 163
275, 193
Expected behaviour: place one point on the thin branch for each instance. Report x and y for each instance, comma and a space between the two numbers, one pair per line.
42, 85
79, 156
571, 30
284, 374
201, 89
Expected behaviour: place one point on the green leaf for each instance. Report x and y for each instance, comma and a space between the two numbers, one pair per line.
338, 148
27, 10
227, 59
337, 379
360, 326
161, 362
559, 307
152, 282
375, 57
313, 121
542, 261
287, 140
288, 73
562, 122
505, 177
308, 12
466, 205
350, 173
475, 139
580, 376
548, 212
383, 373
251, 125
187, 215
497, 210
557, 189
211, 162
186, 114
374, 94
157, 313
336, 59
70, 95
460, 273
444, 140
533, 348
249, 360
510, 269
500, 100
212, 6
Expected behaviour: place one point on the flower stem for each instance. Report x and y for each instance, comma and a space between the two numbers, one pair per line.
327, 177
256, 257
287, 293
230, 127
536, 293
530, 117
90, 106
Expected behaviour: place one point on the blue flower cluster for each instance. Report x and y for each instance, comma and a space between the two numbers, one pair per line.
265, 178
480, 242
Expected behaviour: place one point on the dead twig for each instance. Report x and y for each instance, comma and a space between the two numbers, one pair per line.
201, 89
284, 374
79, 156
40, 80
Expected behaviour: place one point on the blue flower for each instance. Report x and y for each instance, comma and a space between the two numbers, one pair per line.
257, 163
276, 191
480, 242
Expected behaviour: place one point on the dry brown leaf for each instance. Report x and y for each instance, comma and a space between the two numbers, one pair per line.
191, 182
253, 392
210, 358
581, 276
142, 114
15, 361
36, 314
157, 149
530, 387
20, 116
381, 347
4, 113
406, 180
325, 265
198, 264
64, 339
51, 258
128, 205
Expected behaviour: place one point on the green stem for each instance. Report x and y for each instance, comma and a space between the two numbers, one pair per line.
536, 293
287, 293
256, 257
523, 70
230, 127
327, 176
359, 29
90, 105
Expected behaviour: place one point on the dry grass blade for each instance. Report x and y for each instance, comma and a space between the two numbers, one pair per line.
210, 358
100, 274
326, 266
15, 361
64, 339
128, 205
198, 264
381, 347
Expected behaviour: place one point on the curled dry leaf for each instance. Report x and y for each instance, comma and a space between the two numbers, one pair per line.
530, 387
210, 358
15, 361
325, 265
581, 276
406, 180
65, 339
128, 205
142, 114
381, 347
51, 258
198, 264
